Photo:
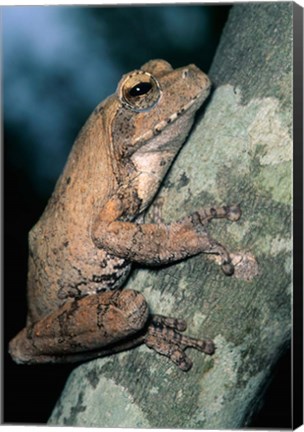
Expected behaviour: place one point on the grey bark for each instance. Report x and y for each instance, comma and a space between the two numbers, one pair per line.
239, 151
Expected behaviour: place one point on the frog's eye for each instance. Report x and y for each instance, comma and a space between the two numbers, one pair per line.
139, 91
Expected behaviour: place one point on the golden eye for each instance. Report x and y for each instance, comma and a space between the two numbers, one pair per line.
139, 91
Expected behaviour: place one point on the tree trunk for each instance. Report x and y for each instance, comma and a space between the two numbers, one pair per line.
239, 152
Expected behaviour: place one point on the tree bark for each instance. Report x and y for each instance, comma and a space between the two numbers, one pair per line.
239, 152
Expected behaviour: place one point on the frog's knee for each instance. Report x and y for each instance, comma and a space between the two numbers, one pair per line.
20, 348
135, 308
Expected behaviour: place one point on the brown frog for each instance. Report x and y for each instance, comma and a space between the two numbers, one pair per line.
82, 248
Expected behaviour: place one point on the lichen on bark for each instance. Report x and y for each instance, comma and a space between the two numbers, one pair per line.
240, 151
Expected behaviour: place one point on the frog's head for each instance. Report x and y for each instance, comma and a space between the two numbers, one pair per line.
155, 111
158, 103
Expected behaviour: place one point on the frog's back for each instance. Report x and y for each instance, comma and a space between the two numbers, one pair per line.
63, 260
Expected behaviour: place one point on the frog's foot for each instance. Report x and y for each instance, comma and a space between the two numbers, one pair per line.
201, 218
163, 335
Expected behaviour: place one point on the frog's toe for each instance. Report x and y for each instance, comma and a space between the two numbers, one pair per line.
234, 213
166, 340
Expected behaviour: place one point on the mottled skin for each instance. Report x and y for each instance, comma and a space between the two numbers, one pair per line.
82, 248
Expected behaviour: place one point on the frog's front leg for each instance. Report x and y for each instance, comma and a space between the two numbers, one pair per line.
81, 326
155, 244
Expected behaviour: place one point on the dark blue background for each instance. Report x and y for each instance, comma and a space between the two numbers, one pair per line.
58, 64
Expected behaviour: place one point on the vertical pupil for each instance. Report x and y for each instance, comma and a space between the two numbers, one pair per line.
140, 89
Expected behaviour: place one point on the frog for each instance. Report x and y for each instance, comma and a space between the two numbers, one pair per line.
93, 229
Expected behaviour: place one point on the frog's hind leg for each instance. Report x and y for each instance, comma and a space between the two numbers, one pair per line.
103, 324
83, 328
164, 337
162, 334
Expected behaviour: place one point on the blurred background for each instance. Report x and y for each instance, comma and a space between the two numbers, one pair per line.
58, 64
